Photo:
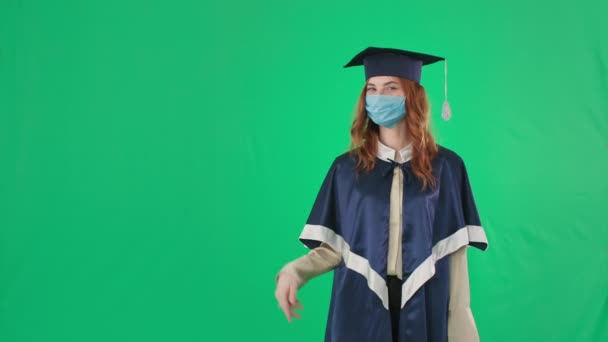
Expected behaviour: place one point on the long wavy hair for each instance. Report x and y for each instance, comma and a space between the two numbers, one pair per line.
364, 134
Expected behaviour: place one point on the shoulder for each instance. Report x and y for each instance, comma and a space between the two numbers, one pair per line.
343, 163
448, 157
345, 159
340, 162
450, 164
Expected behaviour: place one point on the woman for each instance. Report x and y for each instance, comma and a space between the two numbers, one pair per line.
393, 219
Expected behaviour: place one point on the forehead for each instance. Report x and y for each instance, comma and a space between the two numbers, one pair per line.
380, 80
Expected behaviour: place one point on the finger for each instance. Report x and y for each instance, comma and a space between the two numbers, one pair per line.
297, 305
285, 306
292, 294
293, 312
278, 291
281, 292
286, 311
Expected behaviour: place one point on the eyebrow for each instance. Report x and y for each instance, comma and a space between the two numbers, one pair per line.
389, 82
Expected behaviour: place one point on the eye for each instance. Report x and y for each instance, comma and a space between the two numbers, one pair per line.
393, 88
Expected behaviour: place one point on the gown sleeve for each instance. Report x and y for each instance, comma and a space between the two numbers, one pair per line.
317, 261
470, 216
323, 224
461, 324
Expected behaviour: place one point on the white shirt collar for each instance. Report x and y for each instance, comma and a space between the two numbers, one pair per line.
385, 152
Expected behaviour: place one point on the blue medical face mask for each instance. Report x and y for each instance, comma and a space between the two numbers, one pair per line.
385, 110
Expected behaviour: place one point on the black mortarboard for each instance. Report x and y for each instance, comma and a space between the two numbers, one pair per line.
401, 63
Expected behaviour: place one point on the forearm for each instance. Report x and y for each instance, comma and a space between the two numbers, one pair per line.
461, 323
459, 279
316, 262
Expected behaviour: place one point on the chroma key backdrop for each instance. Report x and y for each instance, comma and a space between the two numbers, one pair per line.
158, 160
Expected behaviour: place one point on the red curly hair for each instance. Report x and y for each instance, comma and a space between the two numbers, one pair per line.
364, 133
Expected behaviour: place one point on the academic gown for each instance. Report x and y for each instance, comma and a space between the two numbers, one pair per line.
351, 214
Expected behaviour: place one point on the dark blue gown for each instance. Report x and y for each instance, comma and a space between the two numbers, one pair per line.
351, 213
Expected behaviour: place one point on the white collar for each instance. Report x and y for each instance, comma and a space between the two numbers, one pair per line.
385, 152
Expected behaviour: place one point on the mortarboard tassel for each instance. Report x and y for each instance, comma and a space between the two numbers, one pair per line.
446, 111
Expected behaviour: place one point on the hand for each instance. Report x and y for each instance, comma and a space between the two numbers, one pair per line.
285, 293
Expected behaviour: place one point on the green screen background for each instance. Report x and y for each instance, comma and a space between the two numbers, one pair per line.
158, 160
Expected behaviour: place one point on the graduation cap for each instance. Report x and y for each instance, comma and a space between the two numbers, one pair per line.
401, 63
